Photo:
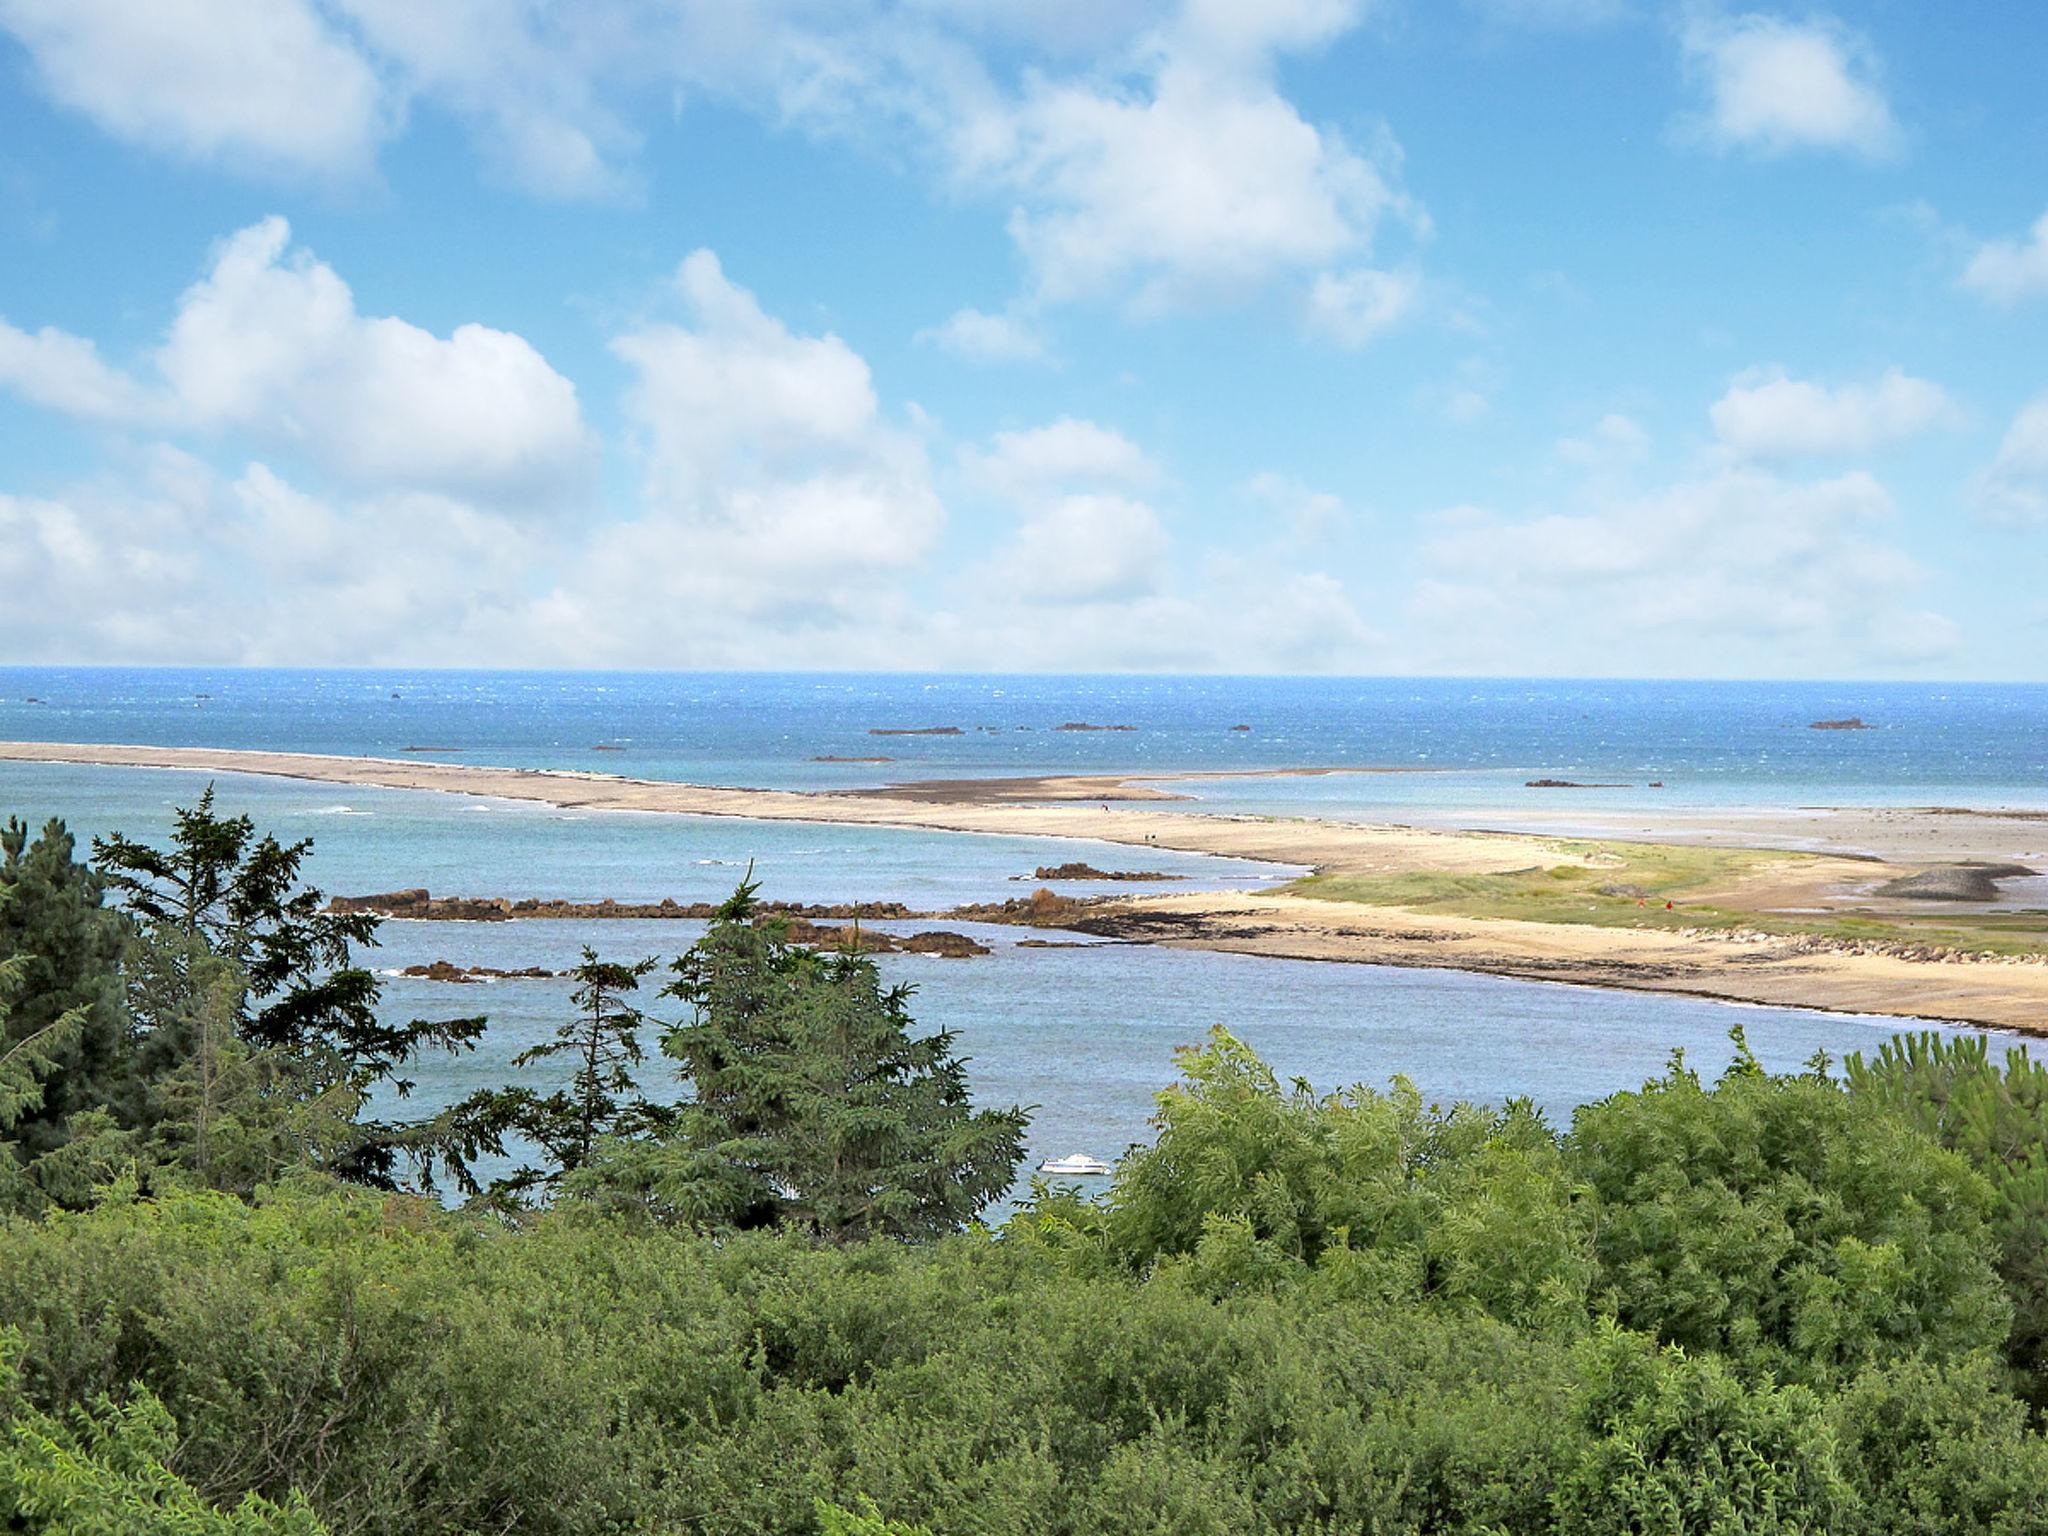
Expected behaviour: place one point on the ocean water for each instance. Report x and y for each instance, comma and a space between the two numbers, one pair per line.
1463, 741
1085, 1034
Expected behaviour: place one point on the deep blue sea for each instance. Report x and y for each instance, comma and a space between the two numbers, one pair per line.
1085, 1034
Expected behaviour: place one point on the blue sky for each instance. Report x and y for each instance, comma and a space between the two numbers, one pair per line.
1597, 337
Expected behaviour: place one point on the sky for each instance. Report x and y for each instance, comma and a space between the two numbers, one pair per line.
1508, 337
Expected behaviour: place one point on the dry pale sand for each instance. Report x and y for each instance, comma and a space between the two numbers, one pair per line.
1769, 971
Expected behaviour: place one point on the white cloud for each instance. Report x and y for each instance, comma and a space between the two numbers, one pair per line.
1082, 536
2009, 271
1086, 548
526, 77
2015, 487
265, 84
1196, 180
986, 338
770, 446
1770, 416
1734, 573
169, 561
1356, 306
270, 343
1775, 86
65, 373
1064, 454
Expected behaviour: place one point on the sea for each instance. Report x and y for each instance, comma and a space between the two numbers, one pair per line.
1084, 1035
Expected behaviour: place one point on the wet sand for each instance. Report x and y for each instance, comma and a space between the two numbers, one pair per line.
1857, 848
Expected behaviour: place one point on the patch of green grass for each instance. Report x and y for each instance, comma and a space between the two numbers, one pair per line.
1626, 885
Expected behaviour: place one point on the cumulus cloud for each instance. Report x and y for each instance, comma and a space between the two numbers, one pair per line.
769, 445
168, 560
1024, 463
1769, 415
1738, 572
1086, 548
1193, 179
65, 373
260, 83
2015, 487
2010, 271
270, 343
986, 338
1775, 86
1082, 535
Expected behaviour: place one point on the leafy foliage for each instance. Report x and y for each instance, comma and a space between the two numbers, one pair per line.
100, 1471
1996, 1117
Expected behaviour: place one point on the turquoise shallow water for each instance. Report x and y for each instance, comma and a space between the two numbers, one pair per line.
1084, 1034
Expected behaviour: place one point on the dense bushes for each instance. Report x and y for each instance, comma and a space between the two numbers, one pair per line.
1370, 1316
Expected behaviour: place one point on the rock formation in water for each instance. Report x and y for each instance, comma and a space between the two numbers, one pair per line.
1090, 872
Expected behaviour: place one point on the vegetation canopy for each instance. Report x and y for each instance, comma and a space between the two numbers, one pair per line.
1762, 1304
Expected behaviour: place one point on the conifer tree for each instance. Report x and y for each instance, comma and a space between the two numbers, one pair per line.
602, 1097
813, 1104
220, 892
54, 918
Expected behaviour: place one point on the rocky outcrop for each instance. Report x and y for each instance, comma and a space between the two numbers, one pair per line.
1083, 725
1090, 872
1954, 882
834, 758
448, 970
1043, 908
1570, 784
922, 730
851, 938
1852, 723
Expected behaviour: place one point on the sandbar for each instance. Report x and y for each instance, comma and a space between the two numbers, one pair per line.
1850, 852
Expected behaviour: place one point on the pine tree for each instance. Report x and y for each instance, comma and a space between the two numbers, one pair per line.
221, 892
813, 1106
69, 943
602, 1098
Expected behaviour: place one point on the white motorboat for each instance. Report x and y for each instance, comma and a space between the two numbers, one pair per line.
1075, 1165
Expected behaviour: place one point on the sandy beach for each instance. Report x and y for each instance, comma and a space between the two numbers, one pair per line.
1833, 859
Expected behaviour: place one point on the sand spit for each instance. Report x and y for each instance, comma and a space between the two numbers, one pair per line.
1870, 846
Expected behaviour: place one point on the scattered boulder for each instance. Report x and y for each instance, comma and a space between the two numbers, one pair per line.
834, 758
921, 730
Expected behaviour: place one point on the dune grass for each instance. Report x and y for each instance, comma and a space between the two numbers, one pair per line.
1628, 885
